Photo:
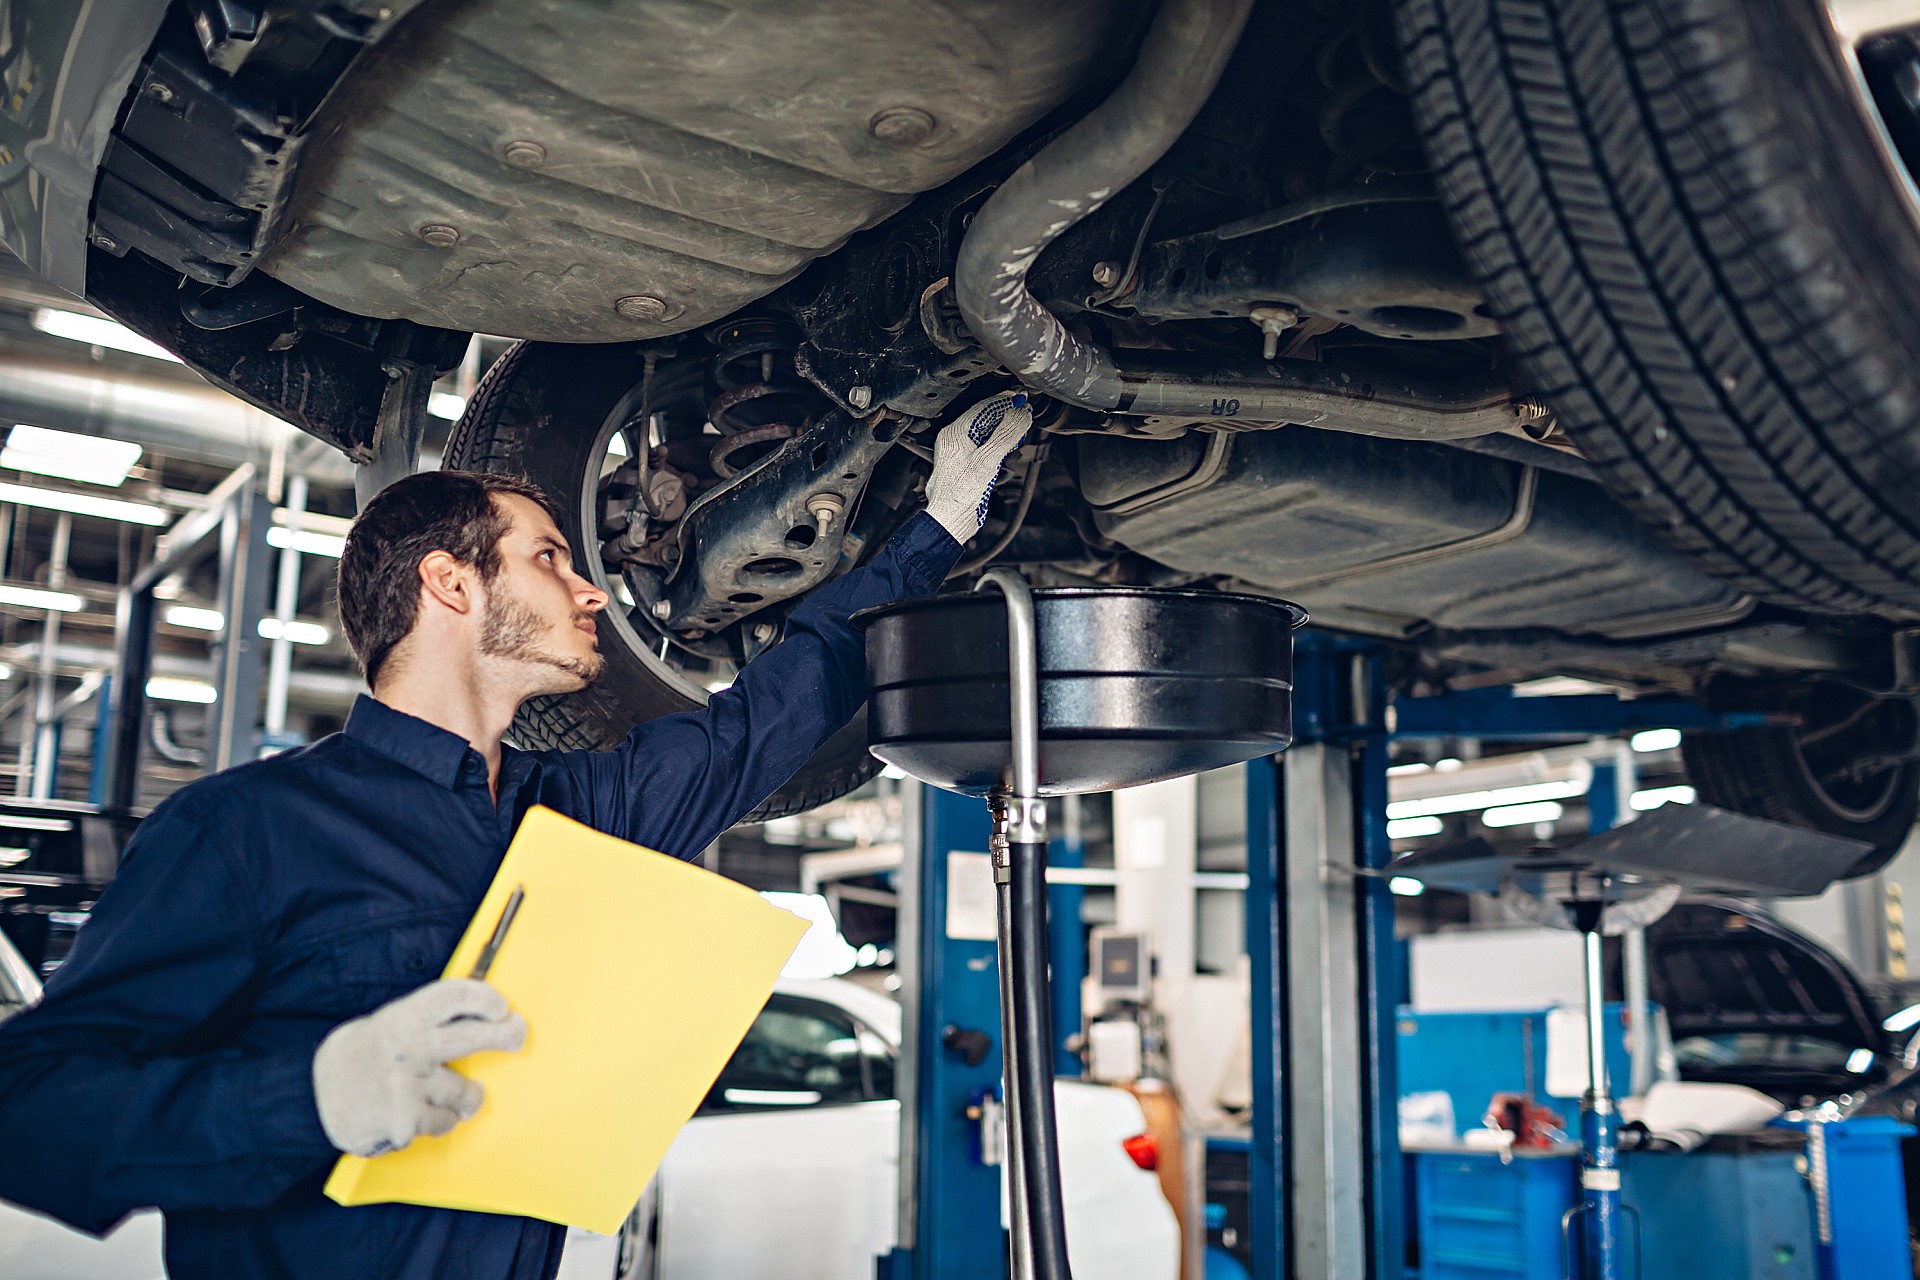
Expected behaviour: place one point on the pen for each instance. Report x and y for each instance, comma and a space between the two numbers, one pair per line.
499, 936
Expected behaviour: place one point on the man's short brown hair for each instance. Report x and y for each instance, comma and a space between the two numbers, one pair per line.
379, 582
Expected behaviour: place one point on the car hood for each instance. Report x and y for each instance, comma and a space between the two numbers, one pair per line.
1724, 968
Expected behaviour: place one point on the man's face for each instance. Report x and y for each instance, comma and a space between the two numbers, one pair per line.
538, 614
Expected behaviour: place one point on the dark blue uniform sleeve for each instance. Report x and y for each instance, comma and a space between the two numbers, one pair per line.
123, 1088
679, 781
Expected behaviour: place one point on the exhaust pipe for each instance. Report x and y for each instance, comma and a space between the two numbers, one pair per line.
1181, 61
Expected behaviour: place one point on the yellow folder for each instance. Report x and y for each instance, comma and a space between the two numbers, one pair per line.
638, 975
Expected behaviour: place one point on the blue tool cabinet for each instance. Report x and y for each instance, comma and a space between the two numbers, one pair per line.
1481, 1219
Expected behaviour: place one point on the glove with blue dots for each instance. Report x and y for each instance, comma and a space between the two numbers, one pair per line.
966, 461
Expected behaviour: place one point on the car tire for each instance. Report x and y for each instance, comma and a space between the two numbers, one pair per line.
1791, 774
537, 415
1704, 263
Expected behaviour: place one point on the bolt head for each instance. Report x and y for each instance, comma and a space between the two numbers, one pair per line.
762, 632
643, 306
105, 241
860, 397
902, 126
160, 92
440, 235
661, 609
1106, 274
522, 154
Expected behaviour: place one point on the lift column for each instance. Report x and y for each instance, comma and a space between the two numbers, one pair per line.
1327, 1194
949, 1073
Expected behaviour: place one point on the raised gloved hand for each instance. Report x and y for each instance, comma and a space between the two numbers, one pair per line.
966, 461
381, 1081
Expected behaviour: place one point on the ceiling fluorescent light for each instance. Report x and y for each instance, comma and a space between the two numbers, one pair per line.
84, 504
34, 598
1655, 740
1905, 1020
70, 456
26, 822
306, 543
97, 332
1642, 801
445, 404
1469, 801
1406, 887
183, 615
297, 632
180, 689
1520, 815
1414, 828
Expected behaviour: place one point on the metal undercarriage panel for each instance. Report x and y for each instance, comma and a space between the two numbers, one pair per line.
579, 171
1387, 535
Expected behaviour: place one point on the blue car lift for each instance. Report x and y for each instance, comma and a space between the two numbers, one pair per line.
1328, 1195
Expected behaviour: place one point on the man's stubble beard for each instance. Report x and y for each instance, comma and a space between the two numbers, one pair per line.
512, 631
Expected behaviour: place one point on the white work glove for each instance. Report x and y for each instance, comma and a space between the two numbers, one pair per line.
381, 1081
966, 461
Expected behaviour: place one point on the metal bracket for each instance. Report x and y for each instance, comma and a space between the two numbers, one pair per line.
776, 531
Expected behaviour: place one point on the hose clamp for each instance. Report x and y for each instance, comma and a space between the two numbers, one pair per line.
1027, 820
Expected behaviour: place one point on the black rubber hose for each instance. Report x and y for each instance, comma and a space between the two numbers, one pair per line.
1039, 1145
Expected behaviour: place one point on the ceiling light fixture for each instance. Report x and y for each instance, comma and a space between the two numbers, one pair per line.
1468, 801
1655, 740
35, 598
84, 504
445, 404
68, 455
1520, 815
306, 542
1642, 801
180, 689
96, 331
185, 615
297, 632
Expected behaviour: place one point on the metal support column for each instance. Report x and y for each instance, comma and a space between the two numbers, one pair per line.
1067, 938
46, 728
1270, 1199
235, 521
1327, 979
286, 601
950, 1131
244, 557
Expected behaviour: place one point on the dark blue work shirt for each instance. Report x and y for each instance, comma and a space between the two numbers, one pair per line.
169, 1062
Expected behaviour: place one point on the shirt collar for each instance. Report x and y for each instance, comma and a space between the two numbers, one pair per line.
427, 749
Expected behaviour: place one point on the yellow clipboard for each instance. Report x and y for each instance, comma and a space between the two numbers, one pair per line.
638, 975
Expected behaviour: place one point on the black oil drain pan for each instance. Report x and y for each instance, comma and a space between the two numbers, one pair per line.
1136, 685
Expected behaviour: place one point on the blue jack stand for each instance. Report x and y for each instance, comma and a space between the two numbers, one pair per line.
1600, 1211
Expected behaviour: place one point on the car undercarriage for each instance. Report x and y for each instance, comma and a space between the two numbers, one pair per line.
759, 252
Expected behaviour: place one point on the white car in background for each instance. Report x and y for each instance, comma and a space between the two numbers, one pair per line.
790, 1168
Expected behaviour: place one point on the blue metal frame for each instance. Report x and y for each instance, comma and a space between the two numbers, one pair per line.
1501, 713
1267, 1209
1066, 950
1340, 697
955, 1195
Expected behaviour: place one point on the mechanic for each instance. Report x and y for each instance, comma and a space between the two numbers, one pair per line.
252, 995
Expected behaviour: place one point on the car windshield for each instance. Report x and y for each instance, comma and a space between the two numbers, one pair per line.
802, 1053
1716, 1054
